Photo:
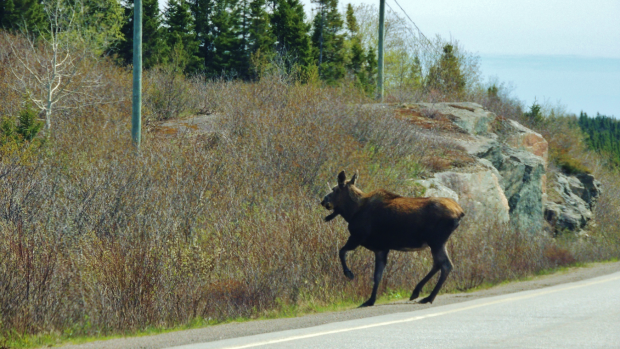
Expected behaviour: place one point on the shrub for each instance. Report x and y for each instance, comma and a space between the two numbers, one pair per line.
25, 130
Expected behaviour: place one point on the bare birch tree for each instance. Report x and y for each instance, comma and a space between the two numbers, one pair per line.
52, 65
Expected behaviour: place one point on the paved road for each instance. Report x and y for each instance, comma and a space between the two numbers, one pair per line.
583, 314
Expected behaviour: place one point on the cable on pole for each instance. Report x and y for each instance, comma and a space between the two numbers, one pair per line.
430, 43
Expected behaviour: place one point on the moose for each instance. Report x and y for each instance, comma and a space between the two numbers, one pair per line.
382, 221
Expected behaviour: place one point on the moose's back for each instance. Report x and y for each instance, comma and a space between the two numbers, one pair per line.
389, 221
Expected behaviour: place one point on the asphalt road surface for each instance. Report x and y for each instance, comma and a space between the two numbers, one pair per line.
582, 314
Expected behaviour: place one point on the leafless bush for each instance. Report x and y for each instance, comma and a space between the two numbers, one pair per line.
168, 94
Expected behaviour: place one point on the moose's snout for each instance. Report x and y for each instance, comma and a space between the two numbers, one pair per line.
325, 203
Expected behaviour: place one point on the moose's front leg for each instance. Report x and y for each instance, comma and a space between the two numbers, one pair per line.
380, 262
351, 244
331, 216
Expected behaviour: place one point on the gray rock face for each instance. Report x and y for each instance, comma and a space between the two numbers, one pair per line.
434, 188
480, 191
523, 176
509, 179
470, 117
578, 196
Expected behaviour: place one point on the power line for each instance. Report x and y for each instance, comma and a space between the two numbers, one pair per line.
412, 22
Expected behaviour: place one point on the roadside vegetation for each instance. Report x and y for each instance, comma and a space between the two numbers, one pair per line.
98, 239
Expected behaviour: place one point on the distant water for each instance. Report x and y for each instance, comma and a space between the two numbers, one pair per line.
579, 83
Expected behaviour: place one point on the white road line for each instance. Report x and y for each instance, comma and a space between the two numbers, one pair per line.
415, 318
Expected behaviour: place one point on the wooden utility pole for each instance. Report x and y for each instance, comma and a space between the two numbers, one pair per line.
381, 37
136, 114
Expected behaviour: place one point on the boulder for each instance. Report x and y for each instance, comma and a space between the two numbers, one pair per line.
472, 118
434, 188
591, 188
577, 199
520, 137
480, 191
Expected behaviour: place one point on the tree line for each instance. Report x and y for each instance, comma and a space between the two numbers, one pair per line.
602, 134
234, 38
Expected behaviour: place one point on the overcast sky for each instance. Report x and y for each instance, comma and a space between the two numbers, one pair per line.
557, 51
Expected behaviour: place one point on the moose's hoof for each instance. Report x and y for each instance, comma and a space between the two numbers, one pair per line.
426, 300
414, 295
349, 274
368, 303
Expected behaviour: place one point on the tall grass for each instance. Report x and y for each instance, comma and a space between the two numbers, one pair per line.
97, 238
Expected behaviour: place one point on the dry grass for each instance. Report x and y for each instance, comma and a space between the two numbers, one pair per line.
96, 238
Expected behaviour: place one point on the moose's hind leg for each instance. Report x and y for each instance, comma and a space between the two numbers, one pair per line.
441, 261
418, 287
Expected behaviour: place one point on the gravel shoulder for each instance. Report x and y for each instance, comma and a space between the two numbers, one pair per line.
232, 330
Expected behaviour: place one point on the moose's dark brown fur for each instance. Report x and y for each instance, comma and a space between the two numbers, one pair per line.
382, 221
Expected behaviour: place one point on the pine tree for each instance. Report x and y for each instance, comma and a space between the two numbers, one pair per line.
226, 40
328, 41
602, 133
371, 71
291, 32
203, 10
535, 114
154, 48
446, 76
26, 130
261, 41
181, 37
357, 56
243, 50
101, 22
22, 14
351, 20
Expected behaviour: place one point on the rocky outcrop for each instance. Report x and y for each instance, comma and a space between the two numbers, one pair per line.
481, 190
509, 178
576, 197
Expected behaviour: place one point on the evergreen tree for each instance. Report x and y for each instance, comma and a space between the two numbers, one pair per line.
203, 10
357, 57
226, 38
372, 67
351, 20
261, 41
243, 51
26, 129
602, 134
154, 48
181, 37
291, 32
328, 41
101, 22
535, 114
413, 79
446, 76
22, 14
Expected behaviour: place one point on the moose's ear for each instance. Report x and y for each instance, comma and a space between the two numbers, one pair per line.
352, 181
341, 178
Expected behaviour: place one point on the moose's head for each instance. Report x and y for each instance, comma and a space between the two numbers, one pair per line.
343, 198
